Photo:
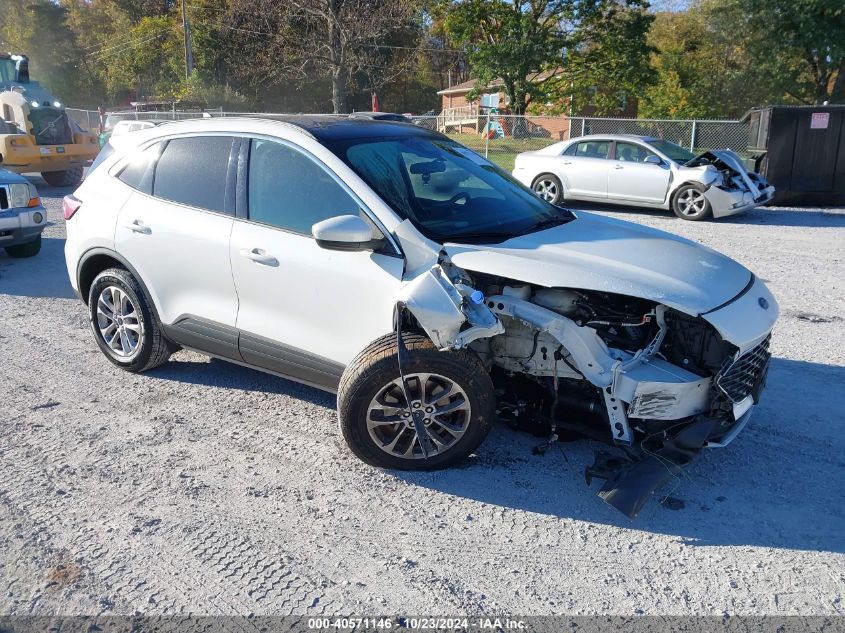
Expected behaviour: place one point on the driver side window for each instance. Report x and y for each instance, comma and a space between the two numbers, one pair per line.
291, 191
631, 152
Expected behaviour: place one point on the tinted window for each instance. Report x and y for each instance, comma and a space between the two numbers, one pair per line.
631, 153
592, 149
194, 171
446, 190
138, 173
289, 190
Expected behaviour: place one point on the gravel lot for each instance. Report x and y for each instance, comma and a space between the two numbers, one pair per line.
204, 487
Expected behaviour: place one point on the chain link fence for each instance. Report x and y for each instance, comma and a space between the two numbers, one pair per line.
501, 137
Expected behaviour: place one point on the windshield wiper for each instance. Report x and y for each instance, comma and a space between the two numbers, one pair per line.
548, 223
491, 236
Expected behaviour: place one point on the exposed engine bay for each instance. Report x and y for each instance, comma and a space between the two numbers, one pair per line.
655, 383
733, 185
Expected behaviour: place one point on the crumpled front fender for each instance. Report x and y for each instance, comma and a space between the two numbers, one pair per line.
442, 307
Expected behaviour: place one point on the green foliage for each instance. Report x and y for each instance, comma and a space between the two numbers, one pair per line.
554, 54
511, 40
718, 58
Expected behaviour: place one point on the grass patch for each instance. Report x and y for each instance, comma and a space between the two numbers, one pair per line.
501, 151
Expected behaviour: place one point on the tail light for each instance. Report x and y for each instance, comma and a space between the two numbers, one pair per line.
70, 205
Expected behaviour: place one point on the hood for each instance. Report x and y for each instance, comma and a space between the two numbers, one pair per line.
607, 255
725, 159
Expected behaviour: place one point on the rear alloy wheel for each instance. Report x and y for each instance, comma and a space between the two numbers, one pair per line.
548, 187
689, 203
127, 330
448, 411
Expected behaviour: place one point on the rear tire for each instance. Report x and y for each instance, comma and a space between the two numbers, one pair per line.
689, 202
68, 178
548, 187
125, 326
29, 249
455, 383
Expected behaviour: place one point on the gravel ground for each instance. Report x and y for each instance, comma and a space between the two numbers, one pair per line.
207, 488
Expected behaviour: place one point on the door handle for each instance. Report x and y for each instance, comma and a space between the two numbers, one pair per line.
138, 227
618, 167
567, 162
259, 256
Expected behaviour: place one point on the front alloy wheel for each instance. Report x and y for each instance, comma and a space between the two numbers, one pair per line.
690, 203
448, 412
439, 408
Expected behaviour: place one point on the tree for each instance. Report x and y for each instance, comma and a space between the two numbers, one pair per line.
556, 51
509, 40
313, 39
607, 61
799, 42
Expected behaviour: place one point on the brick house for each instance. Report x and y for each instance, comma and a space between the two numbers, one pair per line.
456, 107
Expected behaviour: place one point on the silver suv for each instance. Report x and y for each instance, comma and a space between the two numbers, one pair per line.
424, 285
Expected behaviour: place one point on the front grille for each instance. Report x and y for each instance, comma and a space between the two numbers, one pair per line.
739, 378
4, 198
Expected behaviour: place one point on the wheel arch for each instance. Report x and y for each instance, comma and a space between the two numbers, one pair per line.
95, 261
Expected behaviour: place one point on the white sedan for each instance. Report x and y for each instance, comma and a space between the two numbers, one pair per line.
643, 171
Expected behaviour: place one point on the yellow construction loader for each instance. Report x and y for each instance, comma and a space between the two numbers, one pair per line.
36, 134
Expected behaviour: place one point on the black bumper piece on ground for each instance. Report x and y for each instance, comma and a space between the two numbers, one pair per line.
630, 484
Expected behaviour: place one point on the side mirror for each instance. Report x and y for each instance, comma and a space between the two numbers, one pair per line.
653, 159
345, 233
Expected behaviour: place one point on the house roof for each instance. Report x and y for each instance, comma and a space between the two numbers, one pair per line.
469, 84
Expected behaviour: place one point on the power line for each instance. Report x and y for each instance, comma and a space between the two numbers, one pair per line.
130, 46
388, 46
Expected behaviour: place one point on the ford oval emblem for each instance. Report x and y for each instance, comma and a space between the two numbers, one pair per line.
763, 303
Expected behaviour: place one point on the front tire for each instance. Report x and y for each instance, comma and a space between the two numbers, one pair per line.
689, 202
68, 178
125, 326
548, 187
450, 391
29, 249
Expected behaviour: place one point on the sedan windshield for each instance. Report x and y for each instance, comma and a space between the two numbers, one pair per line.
675, 152
448, 191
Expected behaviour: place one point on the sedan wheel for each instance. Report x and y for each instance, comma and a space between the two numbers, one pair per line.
690, 203
548, 187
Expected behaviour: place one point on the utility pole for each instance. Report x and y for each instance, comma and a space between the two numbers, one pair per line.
189, 54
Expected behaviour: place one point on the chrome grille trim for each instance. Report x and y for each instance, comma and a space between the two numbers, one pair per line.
738, 378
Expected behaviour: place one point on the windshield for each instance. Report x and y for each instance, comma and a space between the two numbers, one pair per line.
675, 152
446, 190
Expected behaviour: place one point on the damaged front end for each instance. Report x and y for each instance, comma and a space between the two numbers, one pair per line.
658, 384
732, 188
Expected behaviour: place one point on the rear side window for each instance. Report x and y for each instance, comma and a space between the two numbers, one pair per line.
592, 149
138, 172
289, 190
194, 171
105, 152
